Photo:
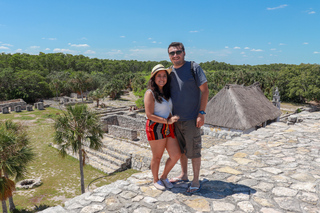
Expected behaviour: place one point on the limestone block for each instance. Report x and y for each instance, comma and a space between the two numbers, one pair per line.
17, 108
40, 106
29, 108
5, 110
122, 132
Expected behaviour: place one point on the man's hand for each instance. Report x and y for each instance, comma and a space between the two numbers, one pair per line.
200, 120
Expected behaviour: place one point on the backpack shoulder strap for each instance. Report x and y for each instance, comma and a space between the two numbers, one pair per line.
192, 70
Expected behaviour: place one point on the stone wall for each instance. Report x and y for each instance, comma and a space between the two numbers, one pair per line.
13, 103
109, 120
123, 132
223, 133
130, 122
132, 125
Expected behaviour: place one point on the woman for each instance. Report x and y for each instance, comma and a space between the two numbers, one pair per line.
159, 126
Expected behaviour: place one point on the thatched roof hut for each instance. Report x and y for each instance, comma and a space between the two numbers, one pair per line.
240, 107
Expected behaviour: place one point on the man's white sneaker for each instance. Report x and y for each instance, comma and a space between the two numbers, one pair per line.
159, 185
167, 183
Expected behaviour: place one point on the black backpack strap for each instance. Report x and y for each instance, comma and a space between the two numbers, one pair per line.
192, 70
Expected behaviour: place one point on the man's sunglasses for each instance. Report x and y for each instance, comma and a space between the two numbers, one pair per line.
175, 52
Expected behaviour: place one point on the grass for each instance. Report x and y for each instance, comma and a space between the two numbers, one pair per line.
60, 176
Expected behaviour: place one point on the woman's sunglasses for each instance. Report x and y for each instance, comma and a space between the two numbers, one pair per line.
175, 52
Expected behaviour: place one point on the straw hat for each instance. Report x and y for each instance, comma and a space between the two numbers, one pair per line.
158, 68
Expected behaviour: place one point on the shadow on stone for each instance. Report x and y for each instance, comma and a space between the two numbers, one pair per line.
215, 189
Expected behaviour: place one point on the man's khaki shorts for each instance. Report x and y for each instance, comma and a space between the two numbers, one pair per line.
189, 138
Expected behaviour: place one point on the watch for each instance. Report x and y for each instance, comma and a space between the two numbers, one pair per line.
202, 112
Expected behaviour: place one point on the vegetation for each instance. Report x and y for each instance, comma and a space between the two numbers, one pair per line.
46, 75
60, 176
74, 128
15, 154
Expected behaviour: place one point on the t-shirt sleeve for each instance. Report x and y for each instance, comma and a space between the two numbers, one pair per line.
199, 75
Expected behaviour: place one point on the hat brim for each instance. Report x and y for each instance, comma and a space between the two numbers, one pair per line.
156, 71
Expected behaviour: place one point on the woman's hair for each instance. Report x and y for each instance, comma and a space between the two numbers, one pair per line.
155, 89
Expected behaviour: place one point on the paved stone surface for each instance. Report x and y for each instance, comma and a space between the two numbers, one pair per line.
272, 170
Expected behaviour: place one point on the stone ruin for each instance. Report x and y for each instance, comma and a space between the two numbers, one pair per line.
12, 105
130, 126
28, 183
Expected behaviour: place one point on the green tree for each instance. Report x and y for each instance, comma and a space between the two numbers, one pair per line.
75, 127
97, 95
113, 87
79, 82
15, 154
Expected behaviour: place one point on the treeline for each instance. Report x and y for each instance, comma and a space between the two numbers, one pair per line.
32, 77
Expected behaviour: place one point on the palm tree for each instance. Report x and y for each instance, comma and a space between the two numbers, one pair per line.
80, 81
97, 95
74, 128
15, 154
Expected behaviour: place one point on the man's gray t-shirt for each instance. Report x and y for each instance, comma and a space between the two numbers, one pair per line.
185, 91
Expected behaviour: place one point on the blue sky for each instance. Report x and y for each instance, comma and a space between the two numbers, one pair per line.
232, 31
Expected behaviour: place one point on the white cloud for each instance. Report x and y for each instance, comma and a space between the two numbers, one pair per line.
9, 45
195, 31
226, 47
256, 50
237, 48
90, 52
78, 45
147, 54
282, 44
122, 36
154, 42
65, 51
47, 49
51, 39
273, 49
315, 52
149, 38
35, 47
311, 12
18, 50
305, 43
269, 42
242, 53
134, 42
247, 48
279, 7
115, 52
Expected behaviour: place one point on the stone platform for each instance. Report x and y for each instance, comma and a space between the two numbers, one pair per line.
272, 170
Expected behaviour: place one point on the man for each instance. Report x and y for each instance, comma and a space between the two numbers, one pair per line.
189, 93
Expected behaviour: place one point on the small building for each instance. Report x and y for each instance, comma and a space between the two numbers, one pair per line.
12, 104
239, 109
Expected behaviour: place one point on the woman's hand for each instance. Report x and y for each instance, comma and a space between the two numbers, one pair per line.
173, 119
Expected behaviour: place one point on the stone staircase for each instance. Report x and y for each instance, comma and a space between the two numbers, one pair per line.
115, 154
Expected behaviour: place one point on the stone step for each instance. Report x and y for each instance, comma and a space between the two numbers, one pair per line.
96, 163
102, 165
109, 160
116, 154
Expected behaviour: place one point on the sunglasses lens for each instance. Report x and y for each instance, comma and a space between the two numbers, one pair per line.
177, 52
